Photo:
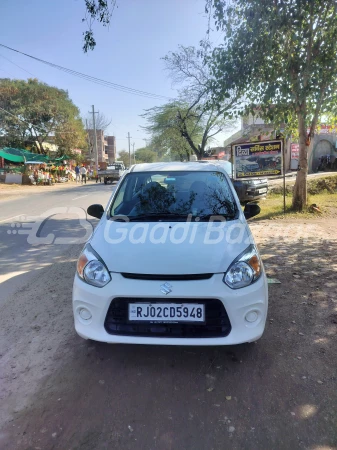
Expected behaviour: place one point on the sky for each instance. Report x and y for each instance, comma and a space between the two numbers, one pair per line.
128, 52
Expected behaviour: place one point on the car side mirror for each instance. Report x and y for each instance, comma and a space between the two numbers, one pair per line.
95, 211
251, 210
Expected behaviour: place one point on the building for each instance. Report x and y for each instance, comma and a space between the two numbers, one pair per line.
110, 148
219, 153
324, 146
106, 146
102, 157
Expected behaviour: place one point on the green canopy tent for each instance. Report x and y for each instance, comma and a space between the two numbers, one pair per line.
21, 155
63, 158
13, 154
34, 158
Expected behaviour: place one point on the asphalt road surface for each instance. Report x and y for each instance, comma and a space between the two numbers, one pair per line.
59, 391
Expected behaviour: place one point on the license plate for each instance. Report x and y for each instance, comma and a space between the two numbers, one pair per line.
262, 191
167, 312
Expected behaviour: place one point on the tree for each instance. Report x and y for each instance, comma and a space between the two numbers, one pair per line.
197, 116
101, 122
32, 112
166, 131
100, 10
123, 155
283, 55
70, 136
145, 155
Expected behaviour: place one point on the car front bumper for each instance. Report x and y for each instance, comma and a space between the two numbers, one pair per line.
253, 196
238, 303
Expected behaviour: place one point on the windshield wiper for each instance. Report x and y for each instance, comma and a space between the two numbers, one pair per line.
215, 217
154, 216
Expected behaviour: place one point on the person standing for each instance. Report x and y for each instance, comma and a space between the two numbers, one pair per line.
98, 176
83, 172
36, 175
77, 172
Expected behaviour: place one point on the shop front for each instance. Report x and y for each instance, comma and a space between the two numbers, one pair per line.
22, 167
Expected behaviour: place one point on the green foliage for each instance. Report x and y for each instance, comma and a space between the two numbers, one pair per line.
187, 125
145, 155
33, 112
123, 155
166, 130
282, 56
100, 10
70, 135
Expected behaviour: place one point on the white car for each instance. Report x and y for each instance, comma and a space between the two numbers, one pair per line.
172, 261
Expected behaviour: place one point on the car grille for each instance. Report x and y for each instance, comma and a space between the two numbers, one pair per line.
216, 324
190, 277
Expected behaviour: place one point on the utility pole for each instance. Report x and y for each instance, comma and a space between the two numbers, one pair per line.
129, 137
134, 157
95, 135
88, 138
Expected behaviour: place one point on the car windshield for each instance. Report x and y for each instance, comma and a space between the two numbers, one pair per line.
176, 195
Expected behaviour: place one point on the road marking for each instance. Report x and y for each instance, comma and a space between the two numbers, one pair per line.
10, 218
82, 196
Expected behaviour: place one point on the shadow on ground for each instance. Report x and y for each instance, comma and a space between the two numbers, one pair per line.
279, 393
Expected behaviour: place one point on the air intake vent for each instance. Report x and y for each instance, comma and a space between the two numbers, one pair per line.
189, 277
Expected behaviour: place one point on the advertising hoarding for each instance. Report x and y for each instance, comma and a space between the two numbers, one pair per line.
258, 159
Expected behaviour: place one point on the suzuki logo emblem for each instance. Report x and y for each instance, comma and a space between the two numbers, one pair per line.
165, 288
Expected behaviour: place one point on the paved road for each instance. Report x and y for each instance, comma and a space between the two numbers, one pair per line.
291, 177
61, 392
33, 218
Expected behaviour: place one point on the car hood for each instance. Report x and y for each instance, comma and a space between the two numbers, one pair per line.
170, 247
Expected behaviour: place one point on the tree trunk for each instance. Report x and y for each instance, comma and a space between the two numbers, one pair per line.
40, 148
300, 188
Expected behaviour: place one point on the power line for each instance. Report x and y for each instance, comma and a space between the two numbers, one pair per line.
95, 80
2, 56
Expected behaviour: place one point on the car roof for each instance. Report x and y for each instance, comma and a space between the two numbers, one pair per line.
175, 167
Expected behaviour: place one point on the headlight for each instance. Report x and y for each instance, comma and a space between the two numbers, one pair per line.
244, 270
91, 268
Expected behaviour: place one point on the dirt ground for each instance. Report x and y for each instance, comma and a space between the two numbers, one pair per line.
61, 392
